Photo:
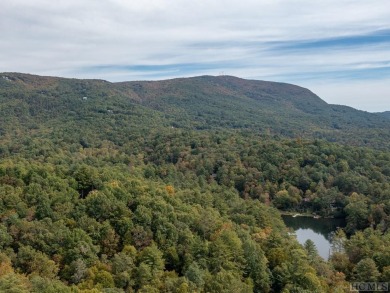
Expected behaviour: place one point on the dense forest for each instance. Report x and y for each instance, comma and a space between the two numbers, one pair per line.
177, 186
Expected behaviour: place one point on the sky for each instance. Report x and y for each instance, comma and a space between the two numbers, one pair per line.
340, 49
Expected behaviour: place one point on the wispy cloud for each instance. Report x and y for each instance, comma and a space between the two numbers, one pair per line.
343, 42
340, 44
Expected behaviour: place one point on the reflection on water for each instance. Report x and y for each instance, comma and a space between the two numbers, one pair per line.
318, 230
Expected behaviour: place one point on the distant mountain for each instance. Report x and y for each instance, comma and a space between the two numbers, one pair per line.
268, 106
93, 106
385, 114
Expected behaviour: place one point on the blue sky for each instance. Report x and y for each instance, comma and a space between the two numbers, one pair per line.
338, 49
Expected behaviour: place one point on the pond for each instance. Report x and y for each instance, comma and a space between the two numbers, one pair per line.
318, 230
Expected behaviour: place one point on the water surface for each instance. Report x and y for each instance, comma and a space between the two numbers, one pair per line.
318, 230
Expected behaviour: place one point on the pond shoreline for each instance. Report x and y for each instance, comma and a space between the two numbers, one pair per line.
307, 215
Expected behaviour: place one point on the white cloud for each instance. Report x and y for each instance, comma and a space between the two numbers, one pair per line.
66, 38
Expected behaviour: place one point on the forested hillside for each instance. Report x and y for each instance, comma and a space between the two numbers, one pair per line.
197, 103
385, 114
177, 186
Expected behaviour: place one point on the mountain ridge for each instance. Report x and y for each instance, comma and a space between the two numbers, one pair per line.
202, 102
